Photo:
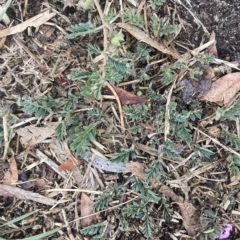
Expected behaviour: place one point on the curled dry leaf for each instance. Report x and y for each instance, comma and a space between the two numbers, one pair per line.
128, 97
68, 164
12, 174
224, 89
11, 191
86, 210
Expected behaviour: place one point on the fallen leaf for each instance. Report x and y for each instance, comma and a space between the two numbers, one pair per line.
68, 164
137, 169
224, 89
11, 191
128, 97
86, 210
32, 135
35, 21
143, 37
212, 48
12, 174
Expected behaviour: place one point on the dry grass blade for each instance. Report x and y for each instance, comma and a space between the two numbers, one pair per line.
141, 36
10, 191
32, 22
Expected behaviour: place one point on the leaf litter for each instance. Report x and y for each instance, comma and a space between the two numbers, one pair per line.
184, 184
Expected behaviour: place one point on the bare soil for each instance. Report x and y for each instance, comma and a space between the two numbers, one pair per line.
222, 17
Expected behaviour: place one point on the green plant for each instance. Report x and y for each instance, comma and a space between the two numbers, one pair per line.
231, 113
137, 112
155, 171
203, 152
231, 138
155, 24
194, 72
86, 4
42, 105
156, 3
205, 58
125, 156
81, 141
209, 221
93, 229
168, 29
130, 16
167, 75
81, 29
20, 218
234, 164
170, 150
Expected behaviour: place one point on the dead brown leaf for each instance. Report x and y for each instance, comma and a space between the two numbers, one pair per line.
137, 169
34, 22
32, 135
212, 48
143, 37
224, 89
11, 191
86, 210
68, 164
128, 97
12, 174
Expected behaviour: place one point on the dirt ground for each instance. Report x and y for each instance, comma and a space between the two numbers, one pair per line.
219, 16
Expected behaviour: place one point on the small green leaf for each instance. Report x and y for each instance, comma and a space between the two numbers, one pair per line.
117, 39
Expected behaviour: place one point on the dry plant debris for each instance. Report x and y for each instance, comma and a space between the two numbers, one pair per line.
113, 125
